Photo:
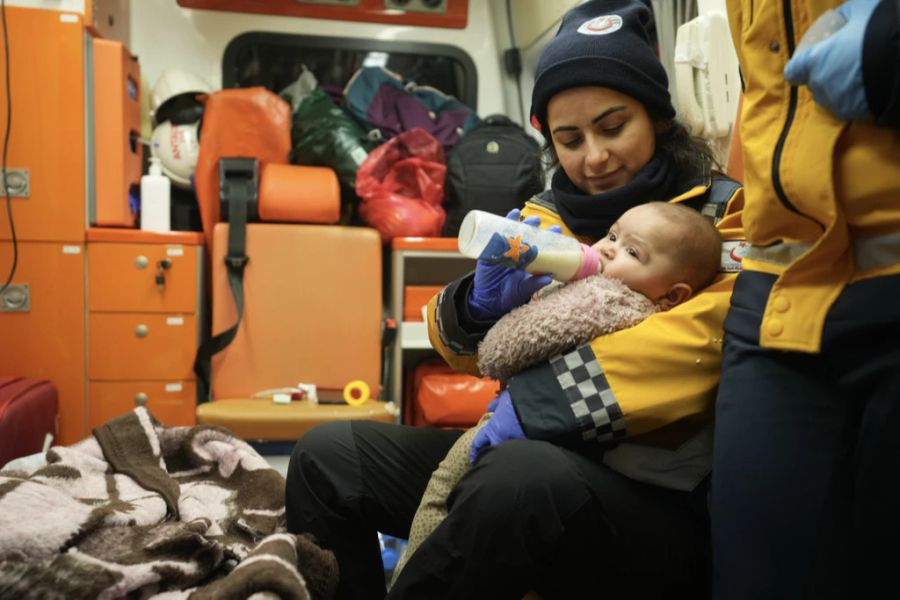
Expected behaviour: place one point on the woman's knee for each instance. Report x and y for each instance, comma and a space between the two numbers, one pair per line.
536, 476
323, 471
321, 449
321, 438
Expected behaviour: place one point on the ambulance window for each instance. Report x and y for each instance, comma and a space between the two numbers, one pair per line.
274, 60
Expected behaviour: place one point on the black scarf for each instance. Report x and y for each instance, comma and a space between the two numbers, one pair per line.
592, 216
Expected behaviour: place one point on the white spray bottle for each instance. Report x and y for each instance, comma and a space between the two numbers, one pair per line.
156, 199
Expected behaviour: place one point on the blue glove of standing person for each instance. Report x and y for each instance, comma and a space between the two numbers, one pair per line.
501, 427
498, 289
832, 67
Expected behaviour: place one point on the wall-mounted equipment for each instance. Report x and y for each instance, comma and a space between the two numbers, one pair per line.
427, 13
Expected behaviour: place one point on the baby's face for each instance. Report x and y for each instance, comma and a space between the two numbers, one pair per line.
636, 251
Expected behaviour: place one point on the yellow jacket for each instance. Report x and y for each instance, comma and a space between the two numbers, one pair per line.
659, 376
822, 195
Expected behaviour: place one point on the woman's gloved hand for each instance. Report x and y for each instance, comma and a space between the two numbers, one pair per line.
832, 67
501, 427
498, 289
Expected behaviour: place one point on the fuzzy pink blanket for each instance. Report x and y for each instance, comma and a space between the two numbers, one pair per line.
557, 320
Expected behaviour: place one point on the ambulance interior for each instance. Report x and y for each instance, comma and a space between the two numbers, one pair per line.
113, 311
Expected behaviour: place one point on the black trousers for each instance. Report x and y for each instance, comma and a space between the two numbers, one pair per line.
806, 478
528, 515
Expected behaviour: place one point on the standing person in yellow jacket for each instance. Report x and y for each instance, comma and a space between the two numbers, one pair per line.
805, 498
592, 476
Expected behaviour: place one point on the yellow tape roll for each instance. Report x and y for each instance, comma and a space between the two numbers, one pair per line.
356, 392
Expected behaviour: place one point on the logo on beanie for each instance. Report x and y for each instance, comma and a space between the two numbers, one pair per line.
601, 25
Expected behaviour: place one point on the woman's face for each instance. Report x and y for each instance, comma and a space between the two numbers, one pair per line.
602, 137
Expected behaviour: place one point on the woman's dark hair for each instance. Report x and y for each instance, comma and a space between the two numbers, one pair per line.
692, 156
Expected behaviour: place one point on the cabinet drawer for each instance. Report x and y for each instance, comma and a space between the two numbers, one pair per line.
123, 277
171, 402
124, 346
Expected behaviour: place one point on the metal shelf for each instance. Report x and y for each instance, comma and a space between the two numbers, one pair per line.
418, 261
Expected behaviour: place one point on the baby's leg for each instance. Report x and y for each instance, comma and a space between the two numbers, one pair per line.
433, 507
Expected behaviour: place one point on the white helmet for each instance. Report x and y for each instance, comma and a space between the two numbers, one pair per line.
177, 147
175, 93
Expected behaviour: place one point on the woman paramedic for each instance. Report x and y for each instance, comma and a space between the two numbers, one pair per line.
592, 475
805, 496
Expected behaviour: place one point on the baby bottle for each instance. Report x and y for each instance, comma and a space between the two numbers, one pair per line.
498, 240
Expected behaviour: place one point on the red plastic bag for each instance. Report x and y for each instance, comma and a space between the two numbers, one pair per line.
401, 184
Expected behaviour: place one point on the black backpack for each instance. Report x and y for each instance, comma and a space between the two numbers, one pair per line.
495, 167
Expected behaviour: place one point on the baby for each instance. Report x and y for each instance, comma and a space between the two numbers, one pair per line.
652, 259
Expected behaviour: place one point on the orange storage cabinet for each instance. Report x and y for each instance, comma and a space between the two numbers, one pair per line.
117, 123
143, 334
44, 338
48, 135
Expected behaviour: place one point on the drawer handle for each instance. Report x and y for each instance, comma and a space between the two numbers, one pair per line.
141, 330
140, 399
141, 262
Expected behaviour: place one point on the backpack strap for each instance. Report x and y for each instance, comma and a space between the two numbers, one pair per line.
721, 190
239, 188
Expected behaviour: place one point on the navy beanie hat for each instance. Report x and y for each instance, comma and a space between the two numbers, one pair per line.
604, 43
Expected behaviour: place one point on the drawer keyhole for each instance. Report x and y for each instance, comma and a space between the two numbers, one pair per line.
161, 267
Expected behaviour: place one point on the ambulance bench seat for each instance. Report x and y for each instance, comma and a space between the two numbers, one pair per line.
312, 314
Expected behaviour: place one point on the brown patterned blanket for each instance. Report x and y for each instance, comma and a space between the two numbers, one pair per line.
142, 510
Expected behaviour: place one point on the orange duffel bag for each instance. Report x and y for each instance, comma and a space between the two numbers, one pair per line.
438, 396
256, 123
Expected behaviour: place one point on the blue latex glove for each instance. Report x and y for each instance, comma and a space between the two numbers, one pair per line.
501, 427
498, 289
832, 67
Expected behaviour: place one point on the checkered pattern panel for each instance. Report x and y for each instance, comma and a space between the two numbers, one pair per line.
596, 410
